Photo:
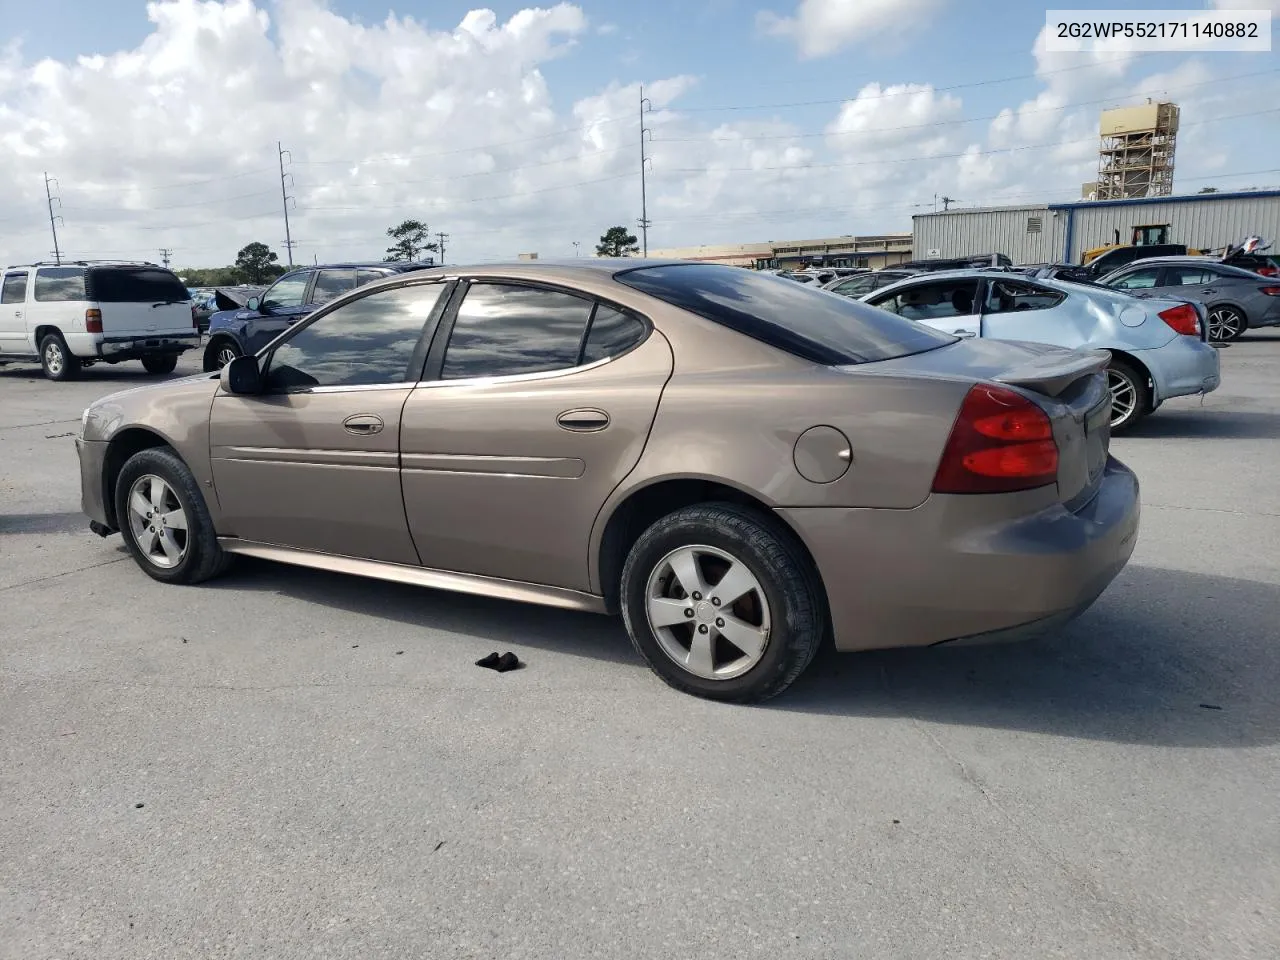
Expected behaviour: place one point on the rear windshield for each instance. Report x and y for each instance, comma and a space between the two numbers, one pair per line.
135, 285
804, 321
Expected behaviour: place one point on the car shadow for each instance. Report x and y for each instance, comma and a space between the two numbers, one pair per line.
68, 522
1207, 423
125, 372
1164, 658
495, 622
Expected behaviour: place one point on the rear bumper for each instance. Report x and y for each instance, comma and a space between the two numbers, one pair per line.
92, 456
1182, 367
131, 348
966, 568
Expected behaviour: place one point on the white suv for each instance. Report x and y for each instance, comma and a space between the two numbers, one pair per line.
72, 315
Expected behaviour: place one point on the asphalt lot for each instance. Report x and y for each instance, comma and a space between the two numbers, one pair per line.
286, 763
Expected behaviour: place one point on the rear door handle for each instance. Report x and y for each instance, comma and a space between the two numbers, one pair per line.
583, 421
363, 424
964, 333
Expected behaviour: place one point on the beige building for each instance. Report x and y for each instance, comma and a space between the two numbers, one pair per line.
877, 251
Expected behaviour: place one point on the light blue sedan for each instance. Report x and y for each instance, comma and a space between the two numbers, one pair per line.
1158, 348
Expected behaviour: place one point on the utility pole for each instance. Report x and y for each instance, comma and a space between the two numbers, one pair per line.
645, 104
946, 204
575, 248
442, 237
53, 220
165, 253
285, 198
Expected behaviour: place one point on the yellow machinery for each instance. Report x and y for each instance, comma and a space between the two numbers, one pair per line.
1144, 235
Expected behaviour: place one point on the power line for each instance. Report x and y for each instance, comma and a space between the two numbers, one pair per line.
53, 221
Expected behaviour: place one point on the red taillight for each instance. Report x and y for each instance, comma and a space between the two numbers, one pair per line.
93, 321
1269, 271
1000, 442
1183, 319
1271, 291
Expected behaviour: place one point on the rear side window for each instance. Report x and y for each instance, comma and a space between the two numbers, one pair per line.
504, 329
55, 284
135, 285
812, 324
15, 288
332, 283
368, 276
1187, 276
612, 332
1010, 296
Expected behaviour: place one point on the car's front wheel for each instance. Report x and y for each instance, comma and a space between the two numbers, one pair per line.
164, 520
219, 353
722, 604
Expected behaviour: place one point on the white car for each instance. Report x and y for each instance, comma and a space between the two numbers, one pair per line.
72, 315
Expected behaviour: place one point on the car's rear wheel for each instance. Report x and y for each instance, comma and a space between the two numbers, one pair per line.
219, 353
722, 604
1226, 324
56, 360
159, 363
164, 520
1130, 395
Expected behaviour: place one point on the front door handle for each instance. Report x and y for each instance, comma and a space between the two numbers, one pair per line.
363, 424
583, 421
964, 333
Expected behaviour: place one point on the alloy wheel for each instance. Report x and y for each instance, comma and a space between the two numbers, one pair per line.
53, 358
708, 612
1224, 324
1124, 396
158, 521
225, 355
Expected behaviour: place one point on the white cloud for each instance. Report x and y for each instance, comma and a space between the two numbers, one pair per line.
607, 28
823, 27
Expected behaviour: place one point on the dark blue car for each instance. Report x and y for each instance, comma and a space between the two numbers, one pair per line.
234, 333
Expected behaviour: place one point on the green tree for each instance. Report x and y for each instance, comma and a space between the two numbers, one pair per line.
616, 242
1208, 189
410, 241
256, 263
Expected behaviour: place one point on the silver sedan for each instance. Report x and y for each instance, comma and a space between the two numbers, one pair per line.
1158, 347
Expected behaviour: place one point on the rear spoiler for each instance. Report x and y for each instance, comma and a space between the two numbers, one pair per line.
1051, 375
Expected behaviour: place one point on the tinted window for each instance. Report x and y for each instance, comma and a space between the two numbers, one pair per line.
286, 292
813, 324
856, 287
612, 332
931, 301
370, 340
15, 288
1137, 280
1009, 296
331, 283
503, 329
135, 285
1186, 276
59, 283
368, 276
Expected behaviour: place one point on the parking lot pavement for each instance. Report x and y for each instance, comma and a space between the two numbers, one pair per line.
287, 763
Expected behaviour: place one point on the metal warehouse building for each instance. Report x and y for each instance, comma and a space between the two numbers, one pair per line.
1061, 232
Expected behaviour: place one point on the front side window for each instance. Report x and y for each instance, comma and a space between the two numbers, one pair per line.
15, 288
1009, 296
1137, 280
59, 284
505, 329
814, 325
332, 283
286, 292
857, 287
366, 341
931, 301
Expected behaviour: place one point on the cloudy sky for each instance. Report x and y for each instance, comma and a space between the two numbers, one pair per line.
515, 128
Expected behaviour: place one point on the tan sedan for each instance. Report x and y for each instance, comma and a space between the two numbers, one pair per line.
738, 464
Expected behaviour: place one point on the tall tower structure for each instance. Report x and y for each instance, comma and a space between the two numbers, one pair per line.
1136, 155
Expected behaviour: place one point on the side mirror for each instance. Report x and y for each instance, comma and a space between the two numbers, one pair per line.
253, 303
242, 376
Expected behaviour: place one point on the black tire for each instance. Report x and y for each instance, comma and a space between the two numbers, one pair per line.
216, 353
202, 558
56, 360
1135, 382
796, 605
160, 363
1227, 323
